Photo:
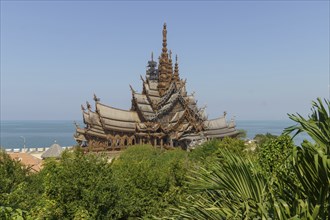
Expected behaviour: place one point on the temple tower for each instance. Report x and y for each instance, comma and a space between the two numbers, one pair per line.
165, 73
176, 77
170, 67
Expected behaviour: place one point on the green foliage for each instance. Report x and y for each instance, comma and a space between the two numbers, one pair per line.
19, 188
309, 199
232, 190
12, 173
311, 163
206, 150
263, 138
149, 181
273, 154
12, 214
13, 176
317, 126
241, 134
210, 149
290, 182
78, 185
233, 145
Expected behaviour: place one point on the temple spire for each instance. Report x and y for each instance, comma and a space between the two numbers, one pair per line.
170, 66
164, 39
176, 76
165, 78
152, 56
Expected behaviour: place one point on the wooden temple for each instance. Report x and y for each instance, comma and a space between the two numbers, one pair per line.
163, 114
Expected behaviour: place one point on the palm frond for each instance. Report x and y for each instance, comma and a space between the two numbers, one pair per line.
317, 126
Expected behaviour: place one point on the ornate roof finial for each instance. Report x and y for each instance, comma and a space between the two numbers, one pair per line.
164, 37
133, 91
142, 79
152, 56
76, 124
164, 50
88, 105
96, 99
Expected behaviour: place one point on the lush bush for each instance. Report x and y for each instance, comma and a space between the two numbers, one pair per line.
13, 176
212, 149
263, 138
149, 181
274, 154
77, 185
242, 134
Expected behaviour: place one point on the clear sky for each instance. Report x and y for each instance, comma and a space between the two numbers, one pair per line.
253, 59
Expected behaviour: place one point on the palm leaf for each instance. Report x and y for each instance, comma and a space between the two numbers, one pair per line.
317, 126
232, 190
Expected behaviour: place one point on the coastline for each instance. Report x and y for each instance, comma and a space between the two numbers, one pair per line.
34, 151
40, 134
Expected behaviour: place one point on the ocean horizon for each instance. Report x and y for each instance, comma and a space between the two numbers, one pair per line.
43, 133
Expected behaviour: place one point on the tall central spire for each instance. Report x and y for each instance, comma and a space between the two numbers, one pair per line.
164, 39
164, 68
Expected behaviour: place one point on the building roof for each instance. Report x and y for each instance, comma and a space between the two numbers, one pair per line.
27, 160
117, 114
216, 123
54, 151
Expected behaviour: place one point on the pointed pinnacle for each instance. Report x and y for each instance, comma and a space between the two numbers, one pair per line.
133, 91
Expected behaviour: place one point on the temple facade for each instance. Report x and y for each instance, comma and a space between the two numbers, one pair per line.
163, 114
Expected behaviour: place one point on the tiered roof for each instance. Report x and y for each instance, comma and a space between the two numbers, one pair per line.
162, 110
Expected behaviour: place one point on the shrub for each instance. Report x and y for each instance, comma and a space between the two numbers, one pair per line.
149, 180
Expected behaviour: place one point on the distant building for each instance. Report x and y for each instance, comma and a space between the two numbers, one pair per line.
163, 114
54, 151
27, 160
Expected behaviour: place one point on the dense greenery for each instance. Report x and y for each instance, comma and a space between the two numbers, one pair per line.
75, 187
222, 179
263, 138
143, 182
282, 182
149, 181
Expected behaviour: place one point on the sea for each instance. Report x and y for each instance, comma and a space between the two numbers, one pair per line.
32, 134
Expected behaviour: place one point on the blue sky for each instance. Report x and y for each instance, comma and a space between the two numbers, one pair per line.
255, 60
